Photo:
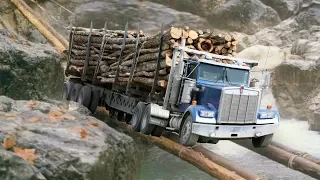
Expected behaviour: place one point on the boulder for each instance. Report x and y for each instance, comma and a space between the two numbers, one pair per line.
308, 15
285, 8
268, 57
43, 141
246, 16
295, 86
149, 15
29, 70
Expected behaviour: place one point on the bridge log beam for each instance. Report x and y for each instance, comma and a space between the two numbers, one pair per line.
286, 158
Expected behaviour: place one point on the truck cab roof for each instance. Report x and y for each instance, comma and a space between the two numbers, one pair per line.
234, 65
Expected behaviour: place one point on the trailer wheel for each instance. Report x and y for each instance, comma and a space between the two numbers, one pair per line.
185, 134
127, 117
95, 98
262, 141
136, 118
146, 127
158, 131
67, 87
75, 92
84, 96
120, 116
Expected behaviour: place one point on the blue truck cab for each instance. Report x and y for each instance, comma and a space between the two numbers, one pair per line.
211, 100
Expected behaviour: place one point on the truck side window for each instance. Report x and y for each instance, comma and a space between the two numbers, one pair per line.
193, 75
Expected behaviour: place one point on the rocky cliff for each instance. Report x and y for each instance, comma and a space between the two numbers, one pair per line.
43, 141
29, 70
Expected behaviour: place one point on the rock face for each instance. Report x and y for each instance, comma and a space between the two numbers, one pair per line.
296, 88
28, 70
243, 16
285, 8
12, 19
149, 15
68, 144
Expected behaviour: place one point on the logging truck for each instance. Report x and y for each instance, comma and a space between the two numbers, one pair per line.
206, 97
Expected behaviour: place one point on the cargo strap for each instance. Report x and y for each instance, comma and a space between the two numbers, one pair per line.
291, 161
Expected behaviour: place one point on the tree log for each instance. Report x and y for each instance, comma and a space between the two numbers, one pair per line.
140, 73
50, 36
193, 157
193, 34
286, 158
81, 62
205, 45
176, 33
148, 82
296, 152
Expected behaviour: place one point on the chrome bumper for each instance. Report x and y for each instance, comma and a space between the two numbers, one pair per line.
233, 131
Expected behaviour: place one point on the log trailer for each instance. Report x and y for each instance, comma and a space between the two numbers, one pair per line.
204, 100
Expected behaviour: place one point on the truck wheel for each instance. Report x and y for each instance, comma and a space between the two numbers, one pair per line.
185, 134
146, 127
75, 92
120, 116
67, 87
127, 117
262, 141
84, 96
136, 118
95, 98
158, 131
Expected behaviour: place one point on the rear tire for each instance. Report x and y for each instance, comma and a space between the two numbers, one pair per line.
95, 99
84, 96
127, 118
136, 118
262, 141
67, 88
120, 116
158, 131
75, 92
146, 127
185, 135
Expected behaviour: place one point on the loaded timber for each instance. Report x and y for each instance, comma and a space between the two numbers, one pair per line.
180, 80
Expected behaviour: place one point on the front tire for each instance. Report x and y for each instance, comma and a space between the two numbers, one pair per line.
95, 99
146, 127
262, 141
137, 115
185, 135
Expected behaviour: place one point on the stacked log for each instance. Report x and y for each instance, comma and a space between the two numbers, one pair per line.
110, 43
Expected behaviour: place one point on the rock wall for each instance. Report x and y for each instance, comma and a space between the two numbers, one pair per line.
61, 144
29, 70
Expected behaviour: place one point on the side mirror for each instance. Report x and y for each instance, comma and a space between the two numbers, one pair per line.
253, 82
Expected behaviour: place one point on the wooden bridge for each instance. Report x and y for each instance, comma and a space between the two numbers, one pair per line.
210, 162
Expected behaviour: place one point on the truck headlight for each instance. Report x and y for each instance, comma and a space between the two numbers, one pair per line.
266, 115
206, 113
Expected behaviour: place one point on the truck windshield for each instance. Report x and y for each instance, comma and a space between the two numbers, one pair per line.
223, 74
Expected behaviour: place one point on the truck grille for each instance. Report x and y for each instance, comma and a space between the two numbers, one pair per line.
236, 108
